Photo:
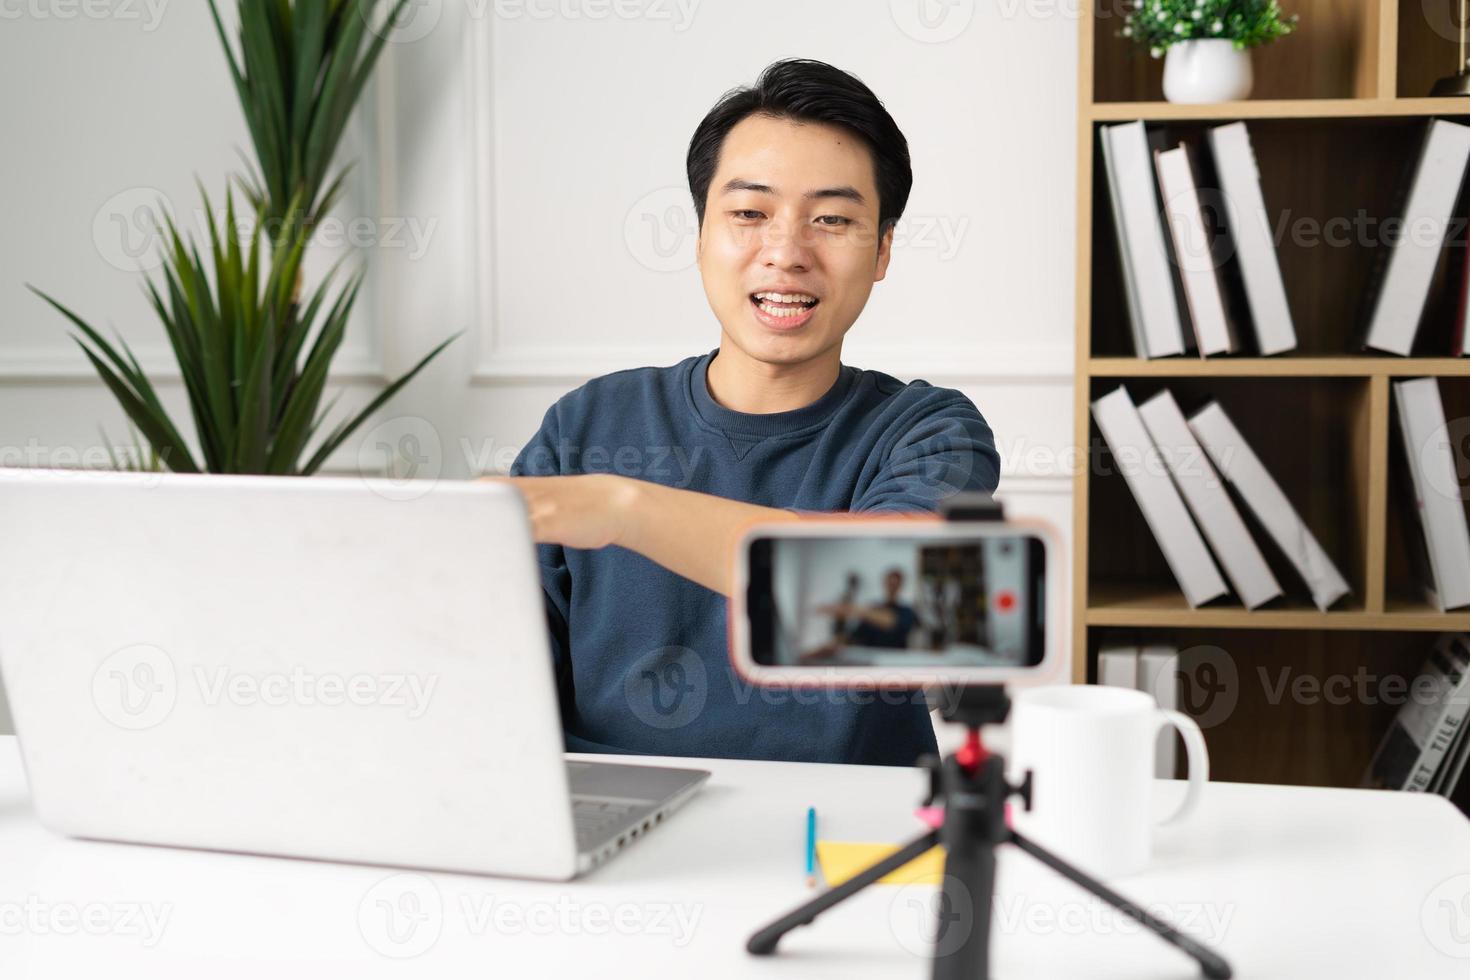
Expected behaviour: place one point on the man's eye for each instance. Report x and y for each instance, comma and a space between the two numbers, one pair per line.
745, 215
834, 220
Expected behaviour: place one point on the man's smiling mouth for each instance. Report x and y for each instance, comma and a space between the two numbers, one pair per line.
783, 305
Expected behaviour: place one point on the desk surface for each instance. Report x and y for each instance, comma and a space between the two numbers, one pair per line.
1287, 882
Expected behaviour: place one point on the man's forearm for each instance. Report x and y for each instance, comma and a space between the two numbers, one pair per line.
690, 533
884, 619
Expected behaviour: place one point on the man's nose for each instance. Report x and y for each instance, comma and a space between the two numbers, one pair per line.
787, 245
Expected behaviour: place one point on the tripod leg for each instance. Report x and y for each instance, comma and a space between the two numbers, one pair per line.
964, 903
764, 941
1212, 964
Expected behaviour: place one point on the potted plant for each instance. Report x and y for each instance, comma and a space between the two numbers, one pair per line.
254, 360
1206, 43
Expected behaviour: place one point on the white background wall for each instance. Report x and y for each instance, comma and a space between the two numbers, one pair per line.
522, 162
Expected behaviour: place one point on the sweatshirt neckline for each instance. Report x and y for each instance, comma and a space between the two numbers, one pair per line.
765, 424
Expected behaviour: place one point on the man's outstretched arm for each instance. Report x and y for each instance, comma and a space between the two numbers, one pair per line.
691, 534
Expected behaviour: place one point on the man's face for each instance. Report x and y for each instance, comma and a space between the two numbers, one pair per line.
892, 584
792, 209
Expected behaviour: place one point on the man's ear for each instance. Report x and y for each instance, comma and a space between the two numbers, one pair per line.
885, 252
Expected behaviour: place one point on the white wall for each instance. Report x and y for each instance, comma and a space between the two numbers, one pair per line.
105, 116
516, 157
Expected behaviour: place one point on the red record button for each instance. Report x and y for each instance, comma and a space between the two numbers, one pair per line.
1005, 601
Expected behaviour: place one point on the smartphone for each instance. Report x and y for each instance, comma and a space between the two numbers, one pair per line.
898, 603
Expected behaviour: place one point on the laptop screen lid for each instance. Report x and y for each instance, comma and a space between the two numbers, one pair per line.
323, 667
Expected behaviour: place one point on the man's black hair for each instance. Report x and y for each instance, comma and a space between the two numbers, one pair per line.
808, 91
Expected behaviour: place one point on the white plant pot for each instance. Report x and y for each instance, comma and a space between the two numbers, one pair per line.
1210, 70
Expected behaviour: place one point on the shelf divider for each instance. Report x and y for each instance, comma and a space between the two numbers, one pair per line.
1309, 366
1377, 496
1280, 109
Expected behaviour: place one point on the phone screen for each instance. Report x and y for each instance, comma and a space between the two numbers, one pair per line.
899, 602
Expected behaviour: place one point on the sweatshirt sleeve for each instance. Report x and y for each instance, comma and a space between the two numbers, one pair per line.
947, 450
539, 458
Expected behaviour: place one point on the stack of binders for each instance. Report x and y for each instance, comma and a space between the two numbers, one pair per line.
1188, 288
1193, 517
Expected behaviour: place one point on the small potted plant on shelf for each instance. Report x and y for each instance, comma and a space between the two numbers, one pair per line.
1206, 43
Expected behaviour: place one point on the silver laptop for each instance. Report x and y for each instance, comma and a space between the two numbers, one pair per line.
324, 668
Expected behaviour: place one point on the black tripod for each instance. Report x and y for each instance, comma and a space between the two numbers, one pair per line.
972, 786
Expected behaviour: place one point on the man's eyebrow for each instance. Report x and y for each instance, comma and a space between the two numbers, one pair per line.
846, 191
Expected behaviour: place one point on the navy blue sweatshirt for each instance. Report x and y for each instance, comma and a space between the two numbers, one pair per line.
641, 653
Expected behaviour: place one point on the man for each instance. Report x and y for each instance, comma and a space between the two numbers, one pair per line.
638, 482
887, 624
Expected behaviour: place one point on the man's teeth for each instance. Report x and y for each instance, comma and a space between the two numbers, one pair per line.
783, 310
786, 297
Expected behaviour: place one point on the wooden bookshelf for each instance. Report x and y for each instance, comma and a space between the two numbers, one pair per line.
1336, 118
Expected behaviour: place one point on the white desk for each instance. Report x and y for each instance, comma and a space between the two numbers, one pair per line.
1288, 883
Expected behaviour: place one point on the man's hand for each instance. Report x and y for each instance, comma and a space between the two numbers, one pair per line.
586, 511
884, 619
691, 534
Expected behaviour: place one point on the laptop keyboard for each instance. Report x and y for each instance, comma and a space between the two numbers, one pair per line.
594, 818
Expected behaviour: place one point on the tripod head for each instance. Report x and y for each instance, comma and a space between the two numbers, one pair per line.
974, 707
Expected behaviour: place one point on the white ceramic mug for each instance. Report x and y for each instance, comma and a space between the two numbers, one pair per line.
1090, 750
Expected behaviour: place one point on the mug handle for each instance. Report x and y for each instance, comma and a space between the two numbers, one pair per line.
1199, 761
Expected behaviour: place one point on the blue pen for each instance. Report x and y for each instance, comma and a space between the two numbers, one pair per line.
811, 847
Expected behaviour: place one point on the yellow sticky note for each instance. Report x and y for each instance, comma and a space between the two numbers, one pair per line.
842, 859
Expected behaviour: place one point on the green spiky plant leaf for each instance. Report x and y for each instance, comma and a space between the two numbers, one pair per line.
135, 457
300, 68
254, 364
253, 358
